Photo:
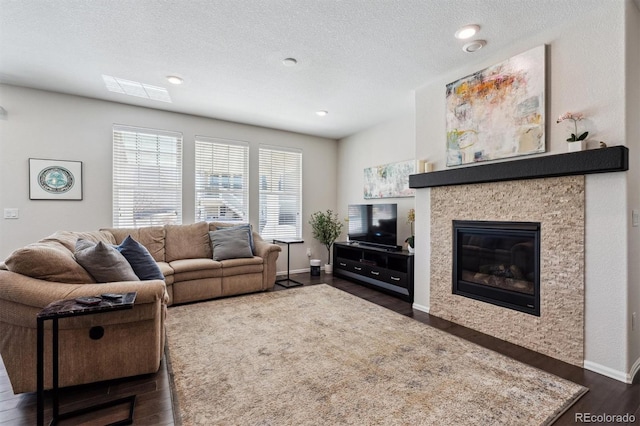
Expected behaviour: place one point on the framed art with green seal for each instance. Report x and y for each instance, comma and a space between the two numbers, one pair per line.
55, 179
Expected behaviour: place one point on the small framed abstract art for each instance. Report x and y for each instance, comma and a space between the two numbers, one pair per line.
389, 180
55, 179
498, 112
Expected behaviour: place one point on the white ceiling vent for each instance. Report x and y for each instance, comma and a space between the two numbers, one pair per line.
133, 88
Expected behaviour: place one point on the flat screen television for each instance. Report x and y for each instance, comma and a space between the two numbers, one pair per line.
374, 224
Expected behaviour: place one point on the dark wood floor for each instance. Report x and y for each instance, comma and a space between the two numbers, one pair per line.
153, 407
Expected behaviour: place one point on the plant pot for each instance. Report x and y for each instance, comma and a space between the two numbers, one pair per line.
328, 268
411, 249
576, 146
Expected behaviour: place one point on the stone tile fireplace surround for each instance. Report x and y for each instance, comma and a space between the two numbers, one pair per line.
559, 205
546, 189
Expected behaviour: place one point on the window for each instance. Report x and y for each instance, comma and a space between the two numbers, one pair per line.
280, 193
147, 177
222, 176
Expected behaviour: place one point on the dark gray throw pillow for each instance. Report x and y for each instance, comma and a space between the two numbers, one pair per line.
103, 262
230, 243
140, 259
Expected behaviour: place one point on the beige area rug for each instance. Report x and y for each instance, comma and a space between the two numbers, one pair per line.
319, 356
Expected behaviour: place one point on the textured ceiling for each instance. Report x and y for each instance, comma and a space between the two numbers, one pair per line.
358, 59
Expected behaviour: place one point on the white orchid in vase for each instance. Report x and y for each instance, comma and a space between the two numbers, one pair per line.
575, 117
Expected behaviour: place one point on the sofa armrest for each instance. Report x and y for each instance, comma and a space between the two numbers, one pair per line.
37, 293
269, 253
263, 248
82, 358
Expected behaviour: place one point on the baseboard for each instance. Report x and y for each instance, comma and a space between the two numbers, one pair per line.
419, 307
610, 372
293, 271
635, 370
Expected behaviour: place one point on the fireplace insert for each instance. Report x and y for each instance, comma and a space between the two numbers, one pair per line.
498, 263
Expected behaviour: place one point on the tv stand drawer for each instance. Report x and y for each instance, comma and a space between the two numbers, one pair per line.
352, 266
390, 272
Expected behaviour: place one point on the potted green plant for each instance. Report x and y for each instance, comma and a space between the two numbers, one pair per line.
326, 228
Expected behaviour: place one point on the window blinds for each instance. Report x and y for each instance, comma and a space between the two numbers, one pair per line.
147, 177
222, 180
280, 192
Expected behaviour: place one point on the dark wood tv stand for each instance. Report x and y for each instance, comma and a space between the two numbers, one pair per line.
388, 270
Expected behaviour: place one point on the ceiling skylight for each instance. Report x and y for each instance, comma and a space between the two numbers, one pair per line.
133, 88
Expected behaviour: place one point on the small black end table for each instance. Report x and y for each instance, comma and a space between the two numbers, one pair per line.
288, 282
66, 309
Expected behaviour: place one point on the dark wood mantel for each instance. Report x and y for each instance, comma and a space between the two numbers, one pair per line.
601, 160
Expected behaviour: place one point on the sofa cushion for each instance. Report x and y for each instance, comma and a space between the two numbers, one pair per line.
187, 265
187, 242
144, 266
196, 269
231, 243
167, 271
233, 267
69, 238
49, 261
165, 268
104, 262
152, 237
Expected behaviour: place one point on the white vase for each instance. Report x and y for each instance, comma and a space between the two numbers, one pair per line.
411, 249
576, 146
328, 268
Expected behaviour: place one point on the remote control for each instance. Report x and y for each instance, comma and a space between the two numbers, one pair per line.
111, 296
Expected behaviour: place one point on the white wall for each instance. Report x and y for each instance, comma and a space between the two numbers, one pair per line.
586, 73
633, 178
43, 124
388, 142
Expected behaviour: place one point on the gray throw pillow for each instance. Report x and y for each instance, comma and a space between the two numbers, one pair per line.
246, 227
230, 243
103, 262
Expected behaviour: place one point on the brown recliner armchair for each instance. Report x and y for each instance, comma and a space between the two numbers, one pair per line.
133, 340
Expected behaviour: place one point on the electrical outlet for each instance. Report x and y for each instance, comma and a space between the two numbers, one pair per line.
635, 218
633, 321
308, 252
11, 213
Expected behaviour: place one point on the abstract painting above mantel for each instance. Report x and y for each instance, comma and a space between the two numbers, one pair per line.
498, 112
389, 180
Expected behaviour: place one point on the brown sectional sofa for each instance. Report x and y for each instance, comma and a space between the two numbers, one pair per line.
133, 341
185, 257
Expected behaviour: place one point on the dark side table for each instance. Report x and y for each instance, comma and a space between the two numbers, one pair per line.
288, 282
67, 309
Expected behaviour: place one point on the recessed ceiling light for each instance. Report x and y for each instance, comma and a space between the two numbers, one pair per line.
467, 31
174, 79
474, 46
289, 62
322, 113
